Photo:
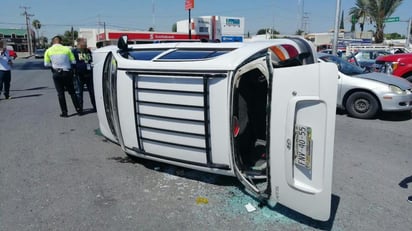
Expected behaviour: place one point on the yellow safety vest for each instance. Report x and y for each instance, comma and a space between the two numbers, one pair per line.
59, 57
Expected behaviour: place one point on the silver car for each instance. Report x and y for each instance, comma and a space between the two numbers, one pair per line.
364, 95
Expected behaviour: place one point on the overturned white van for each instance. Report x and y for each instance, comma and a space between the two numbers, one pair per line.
261, 111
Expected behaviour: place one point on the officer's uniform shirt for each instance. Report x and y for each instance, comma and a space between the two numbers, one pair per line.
59, 57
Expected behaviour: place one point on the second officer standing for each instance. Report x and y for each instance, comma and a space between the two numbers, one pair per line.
84, 72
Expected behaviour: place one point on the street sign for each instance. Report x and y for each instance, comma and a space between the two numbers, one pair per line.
392, 19
189, 4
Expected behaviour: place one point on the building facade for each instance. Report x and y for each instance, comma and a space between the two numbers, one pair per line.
222, 28
212, 28
17, 38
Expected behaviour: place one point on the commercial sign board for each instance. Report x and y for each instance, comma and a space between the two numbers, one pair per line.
189, 4
233, 22
149, 36
232, 39
231, 26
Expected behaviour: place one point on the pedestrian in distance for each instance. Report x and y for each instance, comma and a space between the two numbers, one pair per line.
5, 69
61, 60
84, 72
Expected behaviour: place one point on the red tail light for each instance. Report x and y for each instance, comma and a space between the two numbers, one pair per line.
236, 126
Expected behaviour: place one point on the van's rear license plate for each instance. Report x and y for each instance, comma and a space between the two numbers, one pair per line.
303, 146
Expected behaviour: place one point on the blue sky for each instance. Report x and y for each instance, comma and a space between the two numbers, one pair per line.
57, 16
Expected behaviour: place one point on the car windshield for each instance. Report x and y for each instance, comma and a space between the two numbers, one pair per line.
370, 55
343, 66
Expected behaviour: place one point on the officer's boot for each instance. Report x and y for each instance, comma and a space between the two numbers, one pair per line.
76, 104
63, 106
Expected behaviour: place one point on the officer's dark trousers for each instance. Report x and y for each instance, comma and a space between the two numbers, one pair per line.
81, 80
63, 80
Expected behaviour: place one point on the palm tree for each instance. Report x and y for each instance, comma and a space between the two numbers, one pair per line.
378, 11
37, 25
360, 12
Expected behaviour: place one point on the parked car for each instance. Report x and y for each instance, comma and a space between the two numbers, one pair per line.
261, 111
12, 53
396, 64
339, 52
366, 58
364, 95
39, 53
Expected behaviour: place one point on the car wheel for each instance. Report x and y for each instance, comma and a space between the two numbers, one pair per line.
362, 105
409, 78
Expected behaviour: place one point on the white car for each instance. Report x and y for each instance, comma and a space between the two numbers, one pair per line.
364, 95
261, 111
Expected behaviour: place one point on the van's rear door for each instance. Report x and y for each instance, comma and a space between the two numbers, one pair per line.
302, 127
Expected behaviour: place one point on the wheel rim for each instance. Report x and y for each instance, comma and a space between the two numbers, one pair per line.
361, 105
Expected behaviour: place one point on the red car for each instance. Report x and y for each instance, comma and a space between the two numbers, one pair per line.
396, 64
12, 53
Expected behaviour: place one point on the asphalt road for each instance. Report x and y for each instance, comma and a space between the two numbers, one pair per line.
60, 174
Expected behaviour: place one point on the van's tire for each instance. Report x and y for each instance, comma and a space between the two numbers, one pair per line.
362, 105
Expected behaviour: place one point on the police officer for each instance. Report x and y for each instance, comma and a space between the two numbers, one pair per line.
61, 60
84, 72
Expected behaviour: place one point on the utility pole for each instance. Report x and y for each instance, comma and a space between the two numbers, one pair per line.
100, 23
408, 33
153, 14
336, 31
104, 30
72, 33
27, 16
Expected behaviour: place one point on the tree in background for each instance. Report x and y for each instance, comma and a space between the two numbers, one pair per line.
37, 25
43, 41
377, 11
267, 31
342, 26
299, 32
359, 13
174, 27
69, 37
394, 36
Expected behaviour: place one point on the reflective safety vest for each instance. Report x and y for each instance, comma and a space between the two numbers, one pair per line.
59, 57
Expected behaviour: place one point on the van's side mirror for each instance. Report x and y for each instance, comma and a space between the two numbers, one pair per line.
122, 43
